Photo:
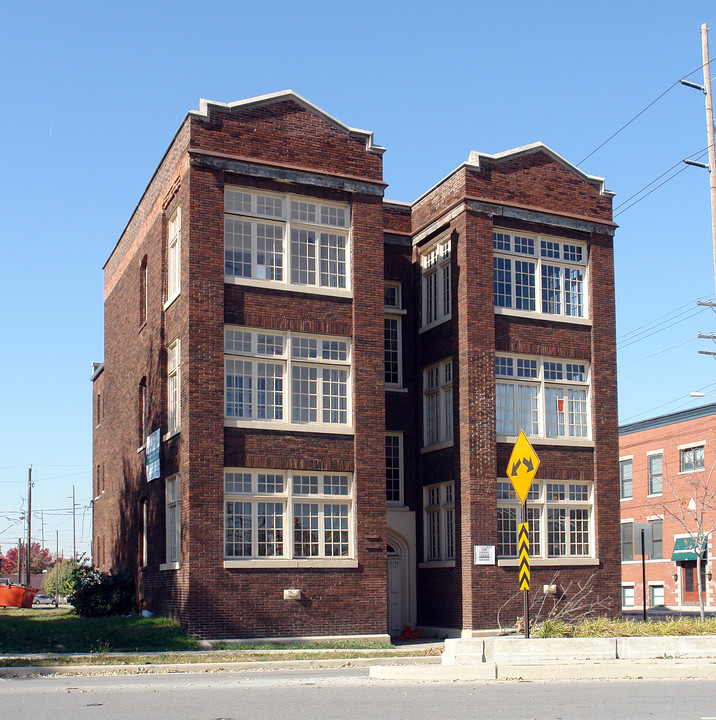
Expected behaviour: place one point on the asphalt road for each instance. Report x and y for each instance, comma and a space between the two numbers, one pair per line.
343, 694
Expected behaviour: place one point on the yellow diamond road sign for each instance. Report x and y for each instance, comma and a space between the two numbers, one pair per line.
522, 466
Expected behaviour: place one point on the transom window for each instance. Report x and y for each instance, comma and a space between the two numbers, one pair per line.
286, 240
261, 366
559, 514
537, 274
541, 396
287, 514
435, 284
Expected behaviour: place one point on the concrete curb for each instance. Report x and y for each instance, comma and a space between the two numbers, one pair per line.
243, 666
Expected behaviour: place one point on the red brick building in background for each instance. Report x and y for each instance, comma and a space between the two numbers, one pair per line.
665, 464
335, 382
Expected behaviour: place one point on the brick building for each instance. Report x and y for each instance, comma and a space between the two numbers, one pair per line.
666, 464
336, 382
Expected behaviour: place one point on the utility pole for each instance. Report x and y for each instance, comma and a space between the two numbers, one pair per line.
29, 524
710, 133
74, 527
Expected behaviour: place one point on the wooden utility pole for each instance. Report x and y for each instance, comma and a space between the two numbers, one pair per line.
710, 134
29, 525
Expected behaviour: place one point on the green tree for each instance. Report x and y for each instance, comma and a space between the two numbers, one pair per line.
57, 579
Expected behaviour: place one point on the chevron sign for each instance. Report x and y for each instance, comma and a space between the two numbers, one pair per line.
523, 544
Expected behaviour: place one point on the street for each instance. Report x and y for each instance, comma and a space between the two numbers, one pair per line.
346, 693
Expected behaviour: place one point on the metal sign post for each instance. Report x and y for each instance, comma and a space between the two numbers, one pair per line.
521, 470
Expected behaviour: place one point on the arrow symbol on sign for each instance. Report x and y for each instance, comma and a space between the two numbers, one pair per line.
515, 466
528, 464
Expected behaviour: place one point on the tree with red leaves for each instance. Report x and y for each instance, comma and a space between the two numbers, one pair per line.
40, 559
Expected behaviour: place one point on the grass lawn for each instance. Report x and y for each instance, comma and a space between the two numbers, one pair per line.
50, 630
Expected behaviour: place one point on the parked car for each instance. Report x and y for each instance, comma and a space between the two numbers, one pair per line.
42, 599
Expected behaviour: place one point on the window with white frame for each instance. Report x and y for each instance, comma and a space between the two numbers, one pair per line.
394, 468
173, 387
285, 240
691, 459
174, 254
285, 377
439, 522
559, 514
656, 595
173, 519
544, 397
655, 472
625, 478
626, 532
435, 284
272, 515
393, 336
437, 404
533, 273
627, 596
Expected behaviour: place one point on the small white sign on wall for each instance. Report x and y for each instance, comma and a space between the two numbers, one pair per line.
484, 554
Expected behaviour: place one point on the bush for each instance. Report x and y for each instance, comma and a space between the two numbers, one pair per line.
97, 594
57, 579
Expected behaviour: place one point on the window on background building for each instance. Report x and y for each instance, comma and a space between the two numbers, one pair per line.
174, 254
284, 377
285, 239
543, 397
559, 516
393, 336
537, 274
394, 468
655, 474
657, 539
625, 479
627, 541
439, 522
437, 404
656, 595
691, 459
99, 408
435, 284
173, 519
143, 290
173, 387
627, 596
287, 514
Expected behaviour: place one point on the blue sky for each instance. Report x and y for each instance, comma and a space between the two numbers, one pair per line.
94, 92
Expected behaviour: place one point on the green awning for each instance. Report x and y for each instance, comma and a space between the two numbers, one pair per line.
687, 549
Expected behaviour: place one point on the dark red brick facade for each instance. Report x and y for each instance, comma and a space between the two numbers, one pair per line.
282, 144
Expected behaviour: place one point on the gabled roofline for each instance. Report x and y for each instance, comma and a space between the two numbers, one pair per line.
475, 157
206, 106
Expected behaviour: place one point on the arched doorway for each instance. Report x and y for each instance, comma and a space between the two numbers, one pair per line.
398, 586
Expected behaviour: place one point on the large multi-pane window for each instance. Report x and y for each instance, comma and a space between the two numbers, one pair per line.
284, 377
285, 239
437, 404
173, 387
559, 515
691, 458
273, 515
533, 273
625, 478
435, 284
174, 254
393, 336
439, 522
655, 470
394, 468
173, 519
544, 397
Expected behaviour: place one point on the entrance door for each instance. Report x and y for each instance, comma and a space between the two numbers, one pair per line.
396, 613
691, 588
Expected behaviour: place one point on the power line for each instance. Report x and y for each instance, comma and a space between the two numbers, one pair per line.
650, 331
639, 329
641, 112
